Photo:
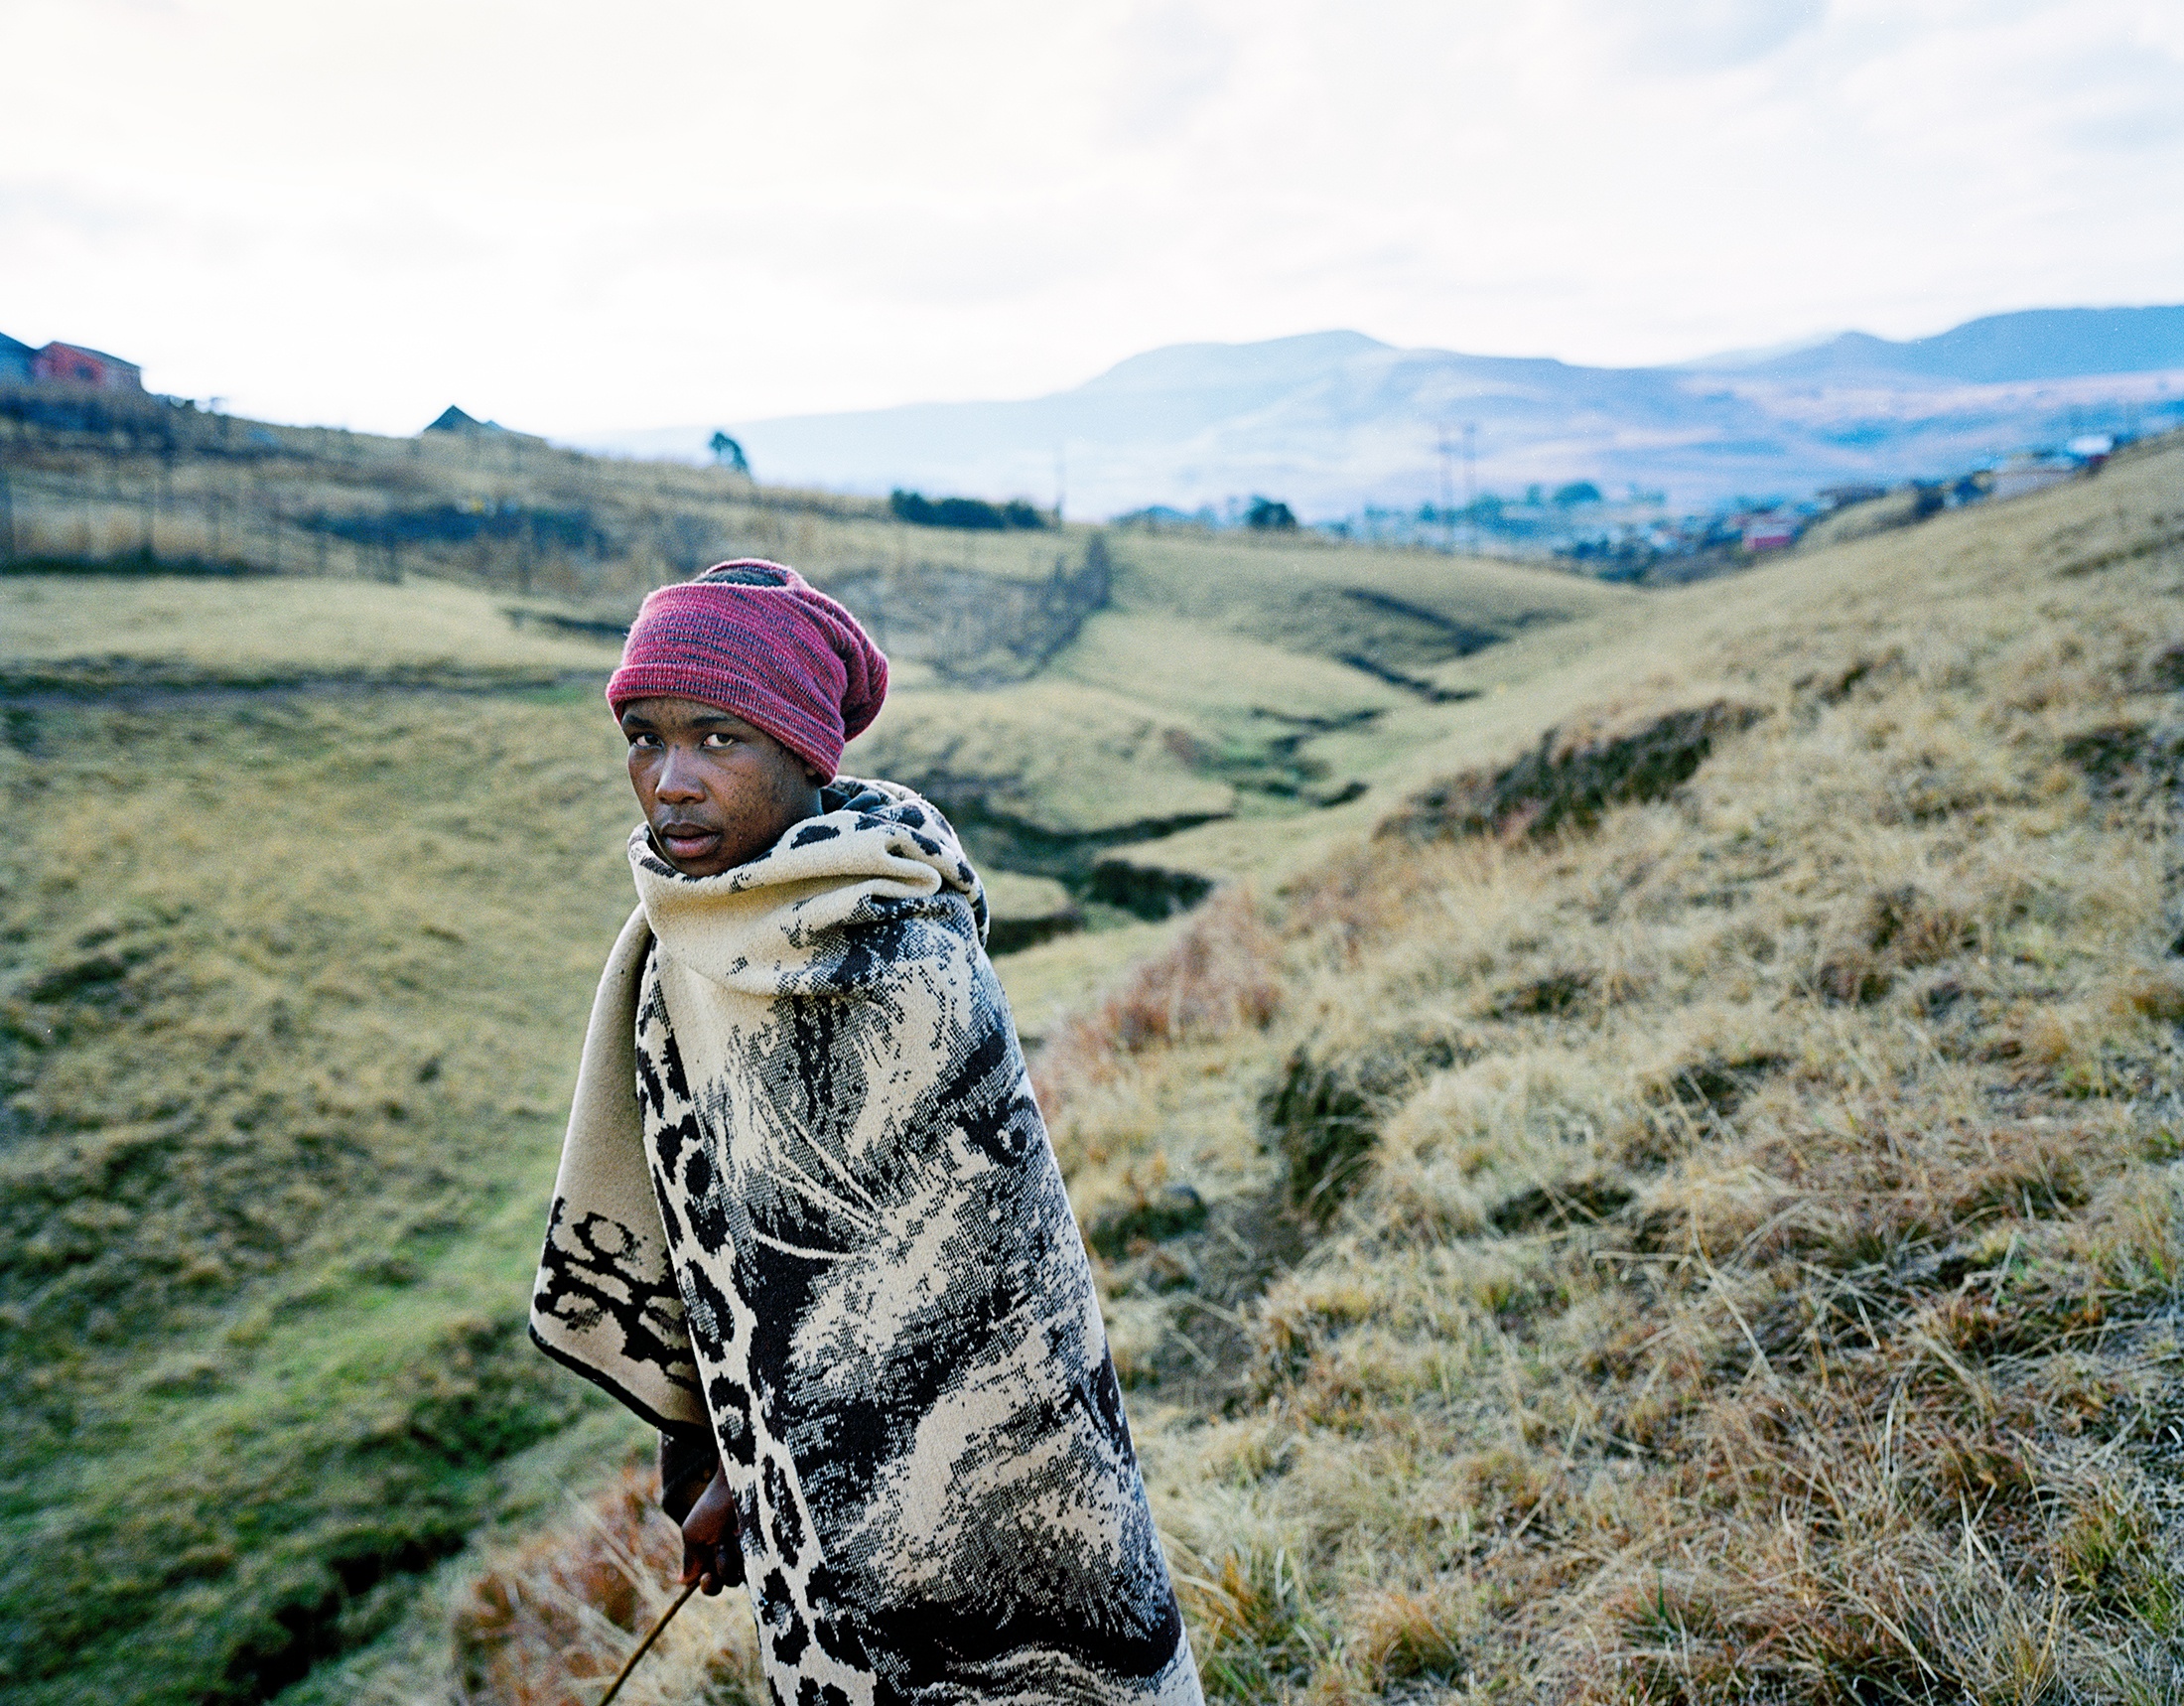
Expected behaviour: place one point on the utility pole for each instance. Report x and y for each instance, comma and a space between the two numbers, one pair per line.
1448, 448
1061, 478
1471, 483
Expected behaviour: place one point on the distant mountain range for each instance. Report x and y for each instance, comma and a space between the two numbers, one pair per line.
1335, 421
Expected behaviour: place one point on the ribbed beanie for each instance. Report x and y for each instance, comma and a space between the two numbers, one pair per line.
762, 642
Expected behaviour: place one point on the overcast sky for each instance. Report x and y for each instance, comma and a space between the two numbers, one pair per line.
576, 218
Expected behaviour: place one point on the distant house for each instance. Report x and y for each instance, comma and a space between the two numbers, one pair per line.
1157, 515
2031, 472
2092, 450
453, 420
14, 361
1770, 532
71, 364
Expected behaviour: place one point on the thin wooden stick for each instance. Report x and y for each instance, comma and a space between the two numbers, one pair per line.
646, 1645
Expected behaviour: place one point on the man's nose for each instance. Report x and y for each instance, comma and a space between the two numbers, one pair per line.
679, 778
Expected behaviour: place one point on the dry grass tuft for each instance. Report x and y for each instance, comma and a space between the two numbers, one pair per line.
546, 1623
1218, 977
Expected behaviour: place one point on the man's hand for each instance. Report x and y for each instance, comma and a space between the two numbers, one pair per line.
713, 1552
689, 1459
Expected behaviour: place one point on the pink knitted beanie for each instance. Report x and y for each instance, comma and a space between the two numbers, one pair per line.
762, 642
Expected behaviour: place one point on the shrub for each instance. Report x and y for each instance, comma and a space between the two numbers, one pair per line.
1574, 776
970, 512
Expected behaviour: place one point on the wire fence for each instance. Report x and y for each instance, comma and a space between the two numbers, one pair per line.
95, 480
202, 515
62, 521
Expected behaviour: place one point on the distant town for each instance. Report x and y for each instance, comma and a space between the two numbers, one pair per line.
1636, 539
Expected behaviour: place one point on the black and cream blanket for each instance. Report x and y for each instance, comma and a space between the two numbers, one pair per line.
807, 1201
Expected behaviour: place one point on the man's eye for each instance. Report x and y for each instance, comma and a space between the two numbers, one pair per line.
720, 739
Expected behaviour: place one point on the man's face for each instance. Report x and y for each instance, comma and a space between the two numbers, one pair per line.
716, 791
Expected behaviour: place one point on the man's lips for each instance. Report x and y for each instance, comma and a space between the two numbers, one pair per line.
687, 840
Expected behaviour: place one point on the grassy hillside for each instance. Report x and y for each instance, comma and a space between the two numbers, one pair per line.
82, 637
283, 1097
1484, 1217
1687, 1214
306, 885
92, 481
1740, 1222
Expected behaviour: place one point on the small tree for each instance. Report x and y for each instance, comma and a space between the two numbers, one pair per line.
727, 452
1575, 493
1270, 515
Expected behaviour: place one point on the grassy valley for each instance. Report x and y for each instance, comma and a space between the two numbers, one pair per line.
1684, 1212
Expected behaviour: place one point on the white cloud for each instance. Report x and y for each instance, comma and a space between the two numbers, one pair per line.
1690, 36
572, 216
1169, 66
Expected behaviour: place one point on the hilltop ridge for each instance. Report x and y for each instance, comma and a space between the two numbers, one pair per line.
1997, 349
1335, 421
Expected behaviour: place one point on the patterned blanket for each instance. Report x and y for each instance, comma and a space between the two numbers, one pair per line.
807, 1199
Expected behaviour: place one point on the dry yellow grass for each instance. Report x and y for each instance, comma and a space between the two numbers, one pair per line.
1750, 1261
1962, 573
551, 1618
1053, 757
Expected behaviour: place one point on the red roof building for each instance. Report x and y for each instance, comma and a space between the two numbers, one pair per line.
70, 364
1770, 532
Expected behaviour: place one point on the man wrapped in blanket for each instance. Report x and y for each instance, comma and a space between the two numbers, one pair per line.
807, 1221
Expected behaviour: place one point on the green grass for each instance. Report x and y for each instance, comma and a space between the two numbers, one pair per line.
247, 632
284, 1054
